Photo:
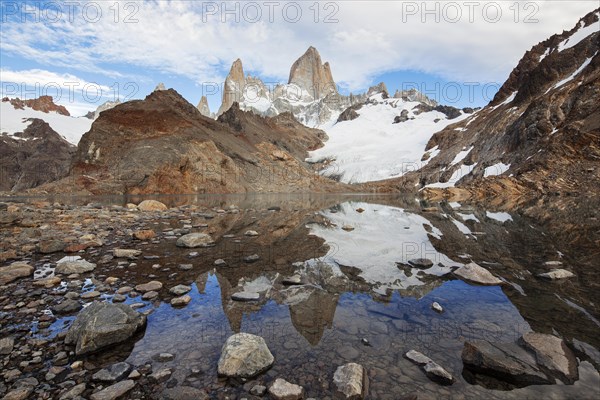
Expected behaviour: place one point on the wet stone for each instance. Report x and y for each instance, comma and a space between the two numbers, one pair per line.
115, 372
115, 391
284, 390
245, 296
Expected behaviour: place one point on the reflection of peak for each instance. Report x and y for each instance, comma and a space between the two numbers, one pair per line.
312, 316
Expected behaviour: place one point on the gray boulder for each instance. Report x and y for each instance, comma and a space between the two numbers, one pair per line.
351, 382
553, 355
102, 325
475, 273
244, 356
192, 240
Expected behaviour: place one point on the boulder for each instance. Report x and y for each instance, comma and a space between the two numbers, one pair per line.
192, 240
115, 372
74, 267
438, 374
244, 356
15, 271
421, 262
556, 274
6, 345
102, 325
126, 253
477, 274
180, 290
152, 205
144, 234
503, 361
151, 286
283, 390
245, 296
553, 355
181, 301
351, 382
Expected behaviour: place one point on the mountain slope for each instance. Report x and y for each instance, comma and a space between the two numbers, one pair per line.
540, 133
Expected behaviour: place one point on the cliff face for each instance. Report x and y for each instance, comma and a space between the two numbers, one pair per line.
33, 157
540, 133
42, 103
309, 74
163, 144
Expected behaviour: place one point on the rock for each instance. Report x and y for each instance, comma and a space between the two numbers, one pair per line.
244, 356
258, 390
115, 372
145, 234
152, 205
165, 357
150, 295
417, 358
437, 307
74, 267
74, 393
48, 282
183, 393
180, 290
102, 325
474, 273
251, 233
220, 262
67, 307
52, 246
438, 374
348, 228
552, 354
126, 253
556, 274
161, 375
192, 240
504, 361
19, 394
151, 286
115, 391
351, 382
245, 296
252, 258
421, 262
181, 301
283, 390
90, 295
15, 271
293, 280
6, 345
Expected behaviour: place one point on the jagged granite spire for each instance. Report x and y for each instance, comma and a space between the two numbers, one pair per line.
233, 89
311, 75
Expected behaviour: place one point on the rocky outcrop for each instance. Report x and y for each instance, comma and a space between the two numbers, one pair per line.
244, 356
105, 106
540, 132
33, 157
136, 148
43, 103
309, 74
416, 96
102, 325
204, 108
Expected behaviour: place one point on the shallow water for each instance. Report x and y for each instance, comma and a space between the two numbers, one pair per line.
355, 250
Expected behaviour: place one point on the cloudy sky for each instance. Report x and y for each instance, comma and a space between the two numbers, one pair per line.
88, 52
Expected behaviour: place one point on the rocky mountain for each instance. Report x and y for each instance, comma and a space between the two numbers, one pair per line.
204, 108
310, 95
33, 157
44, 104
163, 144
540, 133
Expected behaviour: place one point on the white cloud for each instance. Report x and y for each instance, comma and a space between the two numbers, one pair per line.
371, 37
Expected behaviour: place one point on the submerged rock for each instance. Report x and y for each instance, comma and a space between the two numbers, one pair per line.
244, 356
351, 381
283, 390
433, 370
102, 325
475, 273
503, 361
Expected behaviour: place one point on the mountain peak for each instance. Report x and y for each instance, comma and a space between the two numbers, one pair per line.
203, 107
310, 74
234, 86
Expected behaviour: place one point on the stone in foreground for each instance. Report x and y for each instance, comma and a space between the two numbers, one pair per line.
244, 356
74, 267
351, 382
15, 271
553, 354
102, 325
477, 274
192, 240
283, 390
556, 274
503, 361
438, 374
115, 391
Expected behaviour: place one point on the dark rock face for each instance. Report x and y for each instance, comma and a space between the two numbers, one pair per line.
350, 113
36, 156
544, 123
102, 325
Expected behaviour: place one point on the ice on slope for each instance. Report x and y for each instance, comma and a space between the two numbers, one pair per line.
70, 128
573, 75
499, 216
579, 35
371, 147
379, 241
496, 169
